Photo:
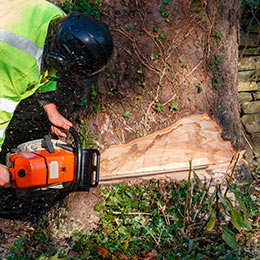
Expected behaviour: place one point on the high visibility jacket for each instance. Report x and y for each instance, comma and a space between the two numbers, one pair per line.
23, 30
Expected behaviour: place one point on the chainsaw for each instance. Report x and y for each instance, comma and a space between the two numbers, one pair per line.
51, 163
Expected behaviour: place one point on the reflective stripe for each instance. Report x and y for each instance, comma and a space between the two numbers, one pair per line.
2, 131
22, 44
7, 105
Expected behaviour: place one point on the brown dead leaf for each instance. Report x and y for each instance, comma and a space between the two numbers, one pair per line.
151, 256
103, 252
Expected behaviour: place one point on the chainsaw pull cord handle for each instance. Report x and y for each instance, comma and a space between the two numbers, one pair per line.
79, 153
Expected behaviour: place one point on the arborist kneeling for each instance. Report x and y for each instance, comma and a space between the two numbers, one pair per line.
37, 40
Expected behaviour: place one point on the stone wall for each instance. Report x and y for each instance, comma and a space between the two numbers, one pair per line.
249, 89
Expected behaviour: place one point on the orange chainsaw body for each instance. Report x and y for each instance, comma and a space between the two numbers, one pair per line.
41, 168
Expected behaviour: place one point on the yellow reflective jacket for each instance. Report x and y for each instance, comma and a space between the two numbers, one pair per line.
23, 30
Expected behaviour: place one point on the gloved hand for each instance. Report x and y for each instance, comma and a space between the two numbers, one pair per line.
4, 176
57, 119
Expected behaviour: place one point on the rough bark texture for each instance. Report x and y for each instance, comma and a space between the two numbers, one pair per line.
223, 102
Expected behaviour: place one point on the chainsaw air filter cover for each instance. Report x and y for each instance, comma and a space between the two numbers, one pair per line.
41, 168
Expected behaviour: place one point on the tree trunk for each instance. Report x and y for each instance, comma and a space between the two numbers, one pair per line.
223, 60
171, 60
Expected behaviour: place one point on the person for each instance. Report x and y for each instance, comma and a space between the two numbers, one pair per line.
38, 40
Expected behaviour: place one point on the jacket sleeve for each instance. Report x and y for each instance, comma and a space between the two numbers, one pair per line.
47, 86
46, 92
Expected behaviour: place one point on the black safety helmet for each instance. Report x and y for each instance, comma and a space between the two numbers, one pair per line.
83, 46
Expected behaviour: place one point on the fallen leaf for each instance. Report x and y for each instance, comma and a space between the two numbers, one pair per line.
103, 252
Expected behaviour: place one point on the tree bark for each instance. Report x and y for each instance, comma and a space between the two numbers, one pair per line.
223, 60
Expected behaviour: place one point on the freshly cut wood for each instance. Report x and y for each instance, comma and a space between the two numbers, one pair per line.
195, 138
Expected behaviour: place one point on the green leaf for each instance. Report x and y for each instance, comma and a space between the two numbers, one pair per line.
241, 203
126, 114
229, 237
99, 207
173, 106
159, 108
55, 257
17, 247
155, 56
155, 28
85, 255
162, 36
217, 60
140, 72
219, 34
164, 13
236, 217
212, 197
246, 223
128, 27
199, 89
195, 10
217, 80
197, 179
224, 202
110, 94
42, 257
212, 221
122, 230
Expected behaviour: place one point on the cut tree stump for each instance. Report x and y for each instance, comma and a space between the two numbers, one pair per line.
167, 152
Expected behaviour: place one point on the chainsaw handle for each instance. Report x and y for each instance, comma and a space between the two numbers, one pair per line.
74, 186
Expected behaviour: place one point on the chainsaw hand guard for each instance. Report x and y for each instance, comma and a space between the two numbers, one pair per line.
87, 165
